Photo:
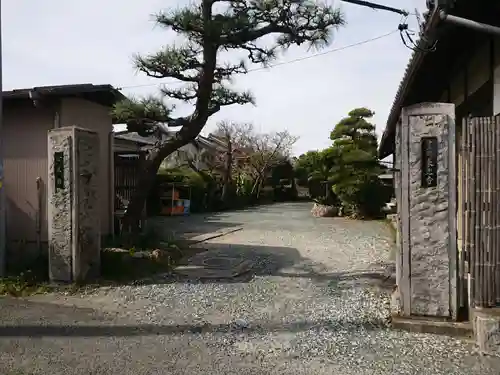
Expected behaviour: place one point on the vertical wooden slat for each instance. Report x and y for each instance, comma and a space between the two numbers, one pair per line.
493, 179
489, 212
479, 221
497, 211
472, 207
463, 204
494, 213
466, 212
486, 223
477, 229
483, 227
480, 211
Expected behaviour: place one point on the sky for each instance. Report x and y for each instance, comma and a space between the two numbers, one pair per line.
55, 42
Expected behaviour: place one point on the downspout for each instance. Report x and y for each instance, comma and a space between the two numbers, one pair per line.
111, 182
38, 218
57, 119
38, 101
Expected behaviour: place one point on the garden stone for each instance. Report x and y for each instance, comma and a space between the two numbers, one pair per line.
320, 210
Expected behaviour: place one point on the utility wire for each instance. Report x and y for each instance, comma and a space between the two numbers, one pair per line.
290, 61
369, 4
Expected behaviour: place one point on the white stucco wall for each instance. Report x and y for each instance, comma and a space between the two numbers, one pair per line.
477, 69
478, 73
496, 79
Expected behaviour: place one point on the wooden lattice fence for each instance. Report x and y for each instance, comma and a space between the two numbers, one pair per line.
480, 196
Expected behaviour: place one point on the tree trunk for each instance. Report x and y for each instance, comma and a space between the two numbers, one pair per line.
254, 186
259, 188
227, 172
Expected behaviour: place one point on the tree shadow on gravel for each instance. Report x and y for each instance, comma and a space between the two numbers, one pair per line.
97, 330
236, 263
271, 261
381, 275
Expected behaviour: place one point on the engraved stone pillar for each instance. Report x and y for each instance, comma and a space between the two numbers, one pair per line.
73, 205
427, 259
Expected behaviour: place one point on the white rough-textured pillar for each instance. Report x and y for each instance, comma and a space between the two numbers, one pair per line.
73, 204
427, 260
396, 306
496, 90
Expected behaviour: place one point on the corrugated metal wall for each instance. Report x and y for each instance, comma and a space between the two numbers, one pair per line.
25, 141
25, 159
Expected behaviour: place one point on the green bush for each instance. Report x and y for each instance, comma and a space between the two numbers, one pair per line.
364, 199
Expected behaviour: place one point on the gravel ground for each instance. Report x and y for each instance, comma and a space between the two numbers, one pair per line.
318, 304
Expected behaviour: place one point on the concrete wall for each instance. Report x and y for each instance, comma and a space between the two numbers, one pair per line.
496, 78
25, 141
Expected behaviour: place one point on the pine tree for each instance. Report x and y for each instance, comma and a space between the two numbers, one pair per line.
355, 175
210, 28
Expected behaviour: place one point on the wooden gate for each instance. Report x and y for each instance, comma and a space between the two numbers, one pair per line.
480, 201
127, 168
126, 176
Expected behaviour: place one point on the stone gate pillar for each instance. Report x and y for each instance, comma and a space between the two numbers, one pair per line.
73, 204
427, 257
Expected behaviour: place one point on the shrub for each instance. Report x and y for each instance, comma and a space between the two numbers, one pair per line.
364, 199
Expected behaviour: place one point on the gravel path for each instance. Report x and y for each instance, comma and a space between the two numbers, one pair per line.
318, 304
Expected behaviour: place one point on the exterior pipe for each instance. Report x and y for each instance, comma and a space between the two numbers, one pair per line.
478, 26
3, 200
39, 215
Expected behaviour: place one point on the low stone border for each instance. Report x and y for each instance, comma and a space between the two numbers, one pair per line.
486, 324
432, 325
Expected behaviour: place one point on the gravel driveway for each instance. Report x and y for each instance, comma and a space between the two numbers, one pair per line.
318, 304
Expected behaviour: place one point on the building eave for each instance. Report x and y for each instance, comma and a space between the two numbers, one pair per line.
106, 95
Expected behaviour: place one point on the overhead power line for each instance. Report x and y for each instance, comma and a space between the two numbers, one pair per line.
366, 41
369, 4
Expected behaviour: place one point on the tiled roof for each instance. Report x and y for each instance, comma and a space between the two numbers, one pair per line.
134, 137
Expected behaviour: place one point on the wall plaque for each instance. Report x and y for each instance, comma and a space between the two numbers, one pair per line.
429, 161
59, 170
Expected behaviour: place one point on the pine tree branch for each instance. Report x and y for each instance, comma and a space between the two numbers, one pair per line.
296, 21
182, 63
224, 96
188, 21
185, 94
227, 71
144, 114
